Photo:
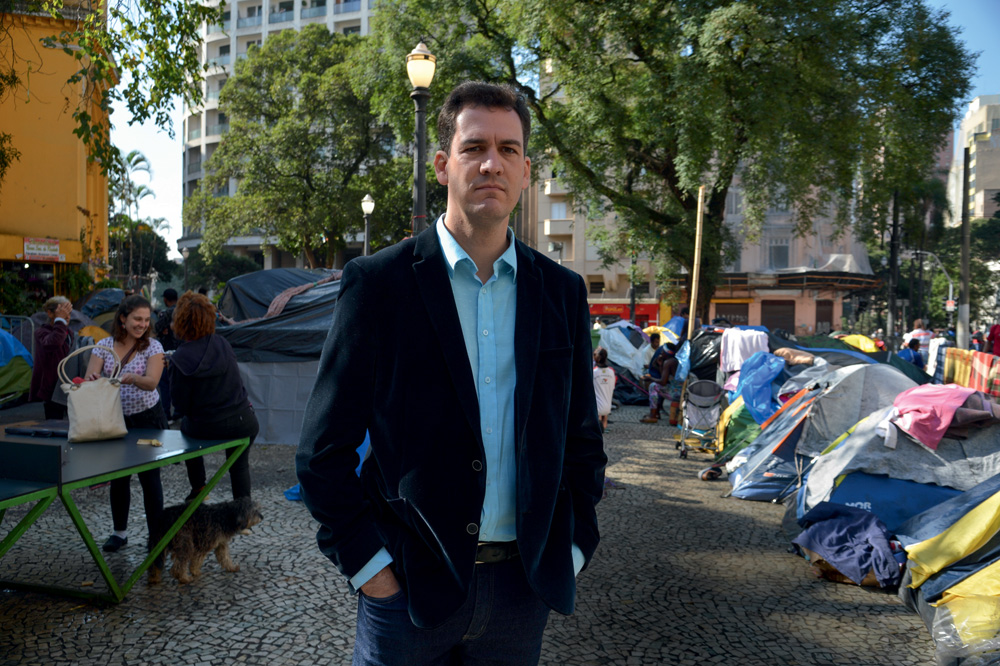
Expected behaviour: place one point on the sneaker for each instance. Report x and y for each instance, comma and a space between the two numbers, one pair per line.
113, 543
649, 419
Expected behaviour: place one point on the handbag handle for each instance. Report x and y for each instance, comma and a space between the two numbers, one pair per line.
116, 371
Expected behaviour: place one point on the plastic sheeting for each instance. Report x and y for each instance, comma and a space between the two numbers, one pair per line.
756, 376
622, 349
295, 335
279, 393
706, 347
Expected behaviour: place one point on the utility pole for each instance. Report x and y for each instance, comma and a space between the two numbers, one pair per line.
962, 332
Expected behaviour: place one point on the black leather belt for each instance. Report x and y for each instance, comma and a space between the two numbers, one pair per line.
496, 551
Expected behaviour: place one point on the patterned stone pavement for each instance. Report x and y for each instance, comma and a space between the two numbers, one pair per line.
682, 576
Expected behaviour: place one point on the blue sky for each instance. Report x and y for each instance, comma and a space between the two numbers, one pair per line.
979, 21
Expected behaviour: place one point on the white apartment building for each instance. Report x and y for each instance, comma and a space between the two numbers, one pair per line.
979, 131
247, 23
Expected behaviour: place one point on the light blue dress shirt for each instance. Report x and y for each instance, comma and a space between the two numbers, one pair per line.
487, 314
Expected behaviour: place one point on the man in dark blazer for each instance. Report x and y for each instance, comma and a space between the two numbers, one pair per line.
475, 507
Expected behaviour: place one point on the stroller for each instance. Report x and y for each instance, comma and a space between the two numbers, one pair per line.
702, 407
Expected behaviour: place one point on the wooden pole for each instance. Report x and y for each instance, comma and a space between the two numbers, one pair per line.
692, 311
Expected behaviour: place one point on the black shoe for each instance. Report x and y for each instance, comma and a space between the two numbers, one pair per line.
113, 543
194, 493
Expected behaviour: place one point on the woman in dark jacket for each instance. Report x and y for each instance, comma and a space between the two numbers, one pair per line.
207, 392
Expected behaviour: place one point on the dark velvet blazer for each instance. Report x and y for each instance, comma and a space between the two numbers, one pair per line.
395, 364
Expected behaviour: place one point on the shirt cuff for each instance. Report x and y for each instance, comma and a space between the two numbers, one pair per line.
381, 560
62, 320
578, 560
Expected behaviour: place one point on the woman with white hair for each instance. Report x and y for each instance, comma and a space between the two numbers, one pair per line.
52, 344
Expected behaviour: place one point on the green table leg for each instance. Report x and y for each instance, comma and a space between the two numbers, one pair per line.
26, 522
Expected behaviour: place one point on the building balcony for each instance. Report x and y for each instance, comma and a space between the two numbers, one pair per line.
214, 130
313, 12
347, 7
212, 96
194, 167
248, 21
219, 61
281, 17
558, 227
194, 134
555, 188
219, 28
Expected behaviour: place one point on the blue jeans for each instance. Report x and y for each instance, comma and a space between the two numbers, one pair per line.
501, 623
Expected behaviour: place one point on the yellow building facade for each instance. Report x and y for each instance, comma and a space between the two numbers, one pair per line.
53, 203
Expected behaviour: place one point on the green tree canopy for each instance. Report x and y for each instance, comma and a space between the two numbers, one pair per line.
637, 103
223, 266
304, 148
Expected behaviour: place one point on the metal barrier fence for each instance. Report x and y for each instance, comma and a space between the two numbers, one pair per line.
22, 328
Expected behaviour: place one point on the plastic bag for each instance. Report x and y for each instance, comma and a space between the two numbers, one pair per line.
683, 362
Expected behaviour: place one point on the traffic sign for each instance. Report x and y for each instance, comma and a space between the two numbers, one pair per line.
949, 306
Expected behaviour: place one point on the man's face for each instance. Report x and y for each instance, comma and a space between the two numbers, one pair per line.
487, 168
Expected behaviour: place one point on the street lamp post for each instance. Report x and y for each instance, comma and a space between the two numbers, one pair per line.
367, 206
185, 253
420, 64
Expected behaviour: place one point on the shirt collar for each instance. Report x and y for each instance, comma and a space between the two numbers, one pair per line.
453, 252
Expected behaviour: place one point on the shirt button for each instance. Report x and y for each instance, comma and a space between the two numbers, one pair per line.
485, 332
477, 466
472, 528
489, 431
488, 380
484, 290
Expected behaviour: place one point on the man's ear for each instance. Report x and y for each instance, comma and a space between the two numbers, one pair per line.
441, 167
527, 173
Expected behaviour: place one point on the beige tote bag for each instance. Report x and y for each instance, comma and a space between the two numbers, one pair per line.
95, 408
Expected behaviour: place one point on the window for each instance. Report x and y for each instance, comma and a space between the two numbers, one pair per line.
995, 125
224, 50
352, 30
642, 289
254, 11
778, 253
558, 211
597, 287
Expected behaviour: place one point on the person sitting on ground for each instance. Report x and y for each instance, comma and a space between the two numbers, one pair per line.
207, 392
604, 385
911, 353
52, 344
664, 386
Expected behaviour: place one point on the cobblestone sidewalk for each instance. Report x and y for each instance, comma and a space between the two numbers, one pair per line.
682, 576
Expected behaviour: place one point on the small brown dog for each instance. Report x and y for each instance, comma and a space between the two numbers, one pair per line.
210, 527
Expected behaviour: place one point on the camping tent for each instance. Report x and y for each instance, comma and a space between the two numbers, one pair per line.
805, 426
15, 368
897, 483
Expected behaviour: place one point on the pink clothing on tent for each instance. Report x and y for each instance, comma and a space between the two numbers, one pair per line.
925, 412
738, 345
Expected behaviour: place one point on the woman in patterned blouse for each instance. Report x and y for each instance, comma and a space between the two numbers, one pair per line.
142, 365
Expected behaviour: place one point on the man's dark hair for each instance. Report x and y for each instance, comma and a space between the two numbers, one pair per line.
913, 344
169, 295
488, 95
684, 311
654, 336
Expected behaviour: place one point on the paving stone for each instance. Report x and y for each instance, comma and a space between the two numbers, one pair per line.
682, 576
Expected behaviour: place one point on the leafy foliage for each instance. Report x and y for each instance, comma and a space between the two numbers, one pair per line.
638, 103
143, 53
304, 149
221, 267
14, 296
147, 249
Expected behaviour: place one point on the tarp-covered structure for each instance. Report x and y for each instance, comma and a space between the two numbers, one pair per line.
953, 574
278, 354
